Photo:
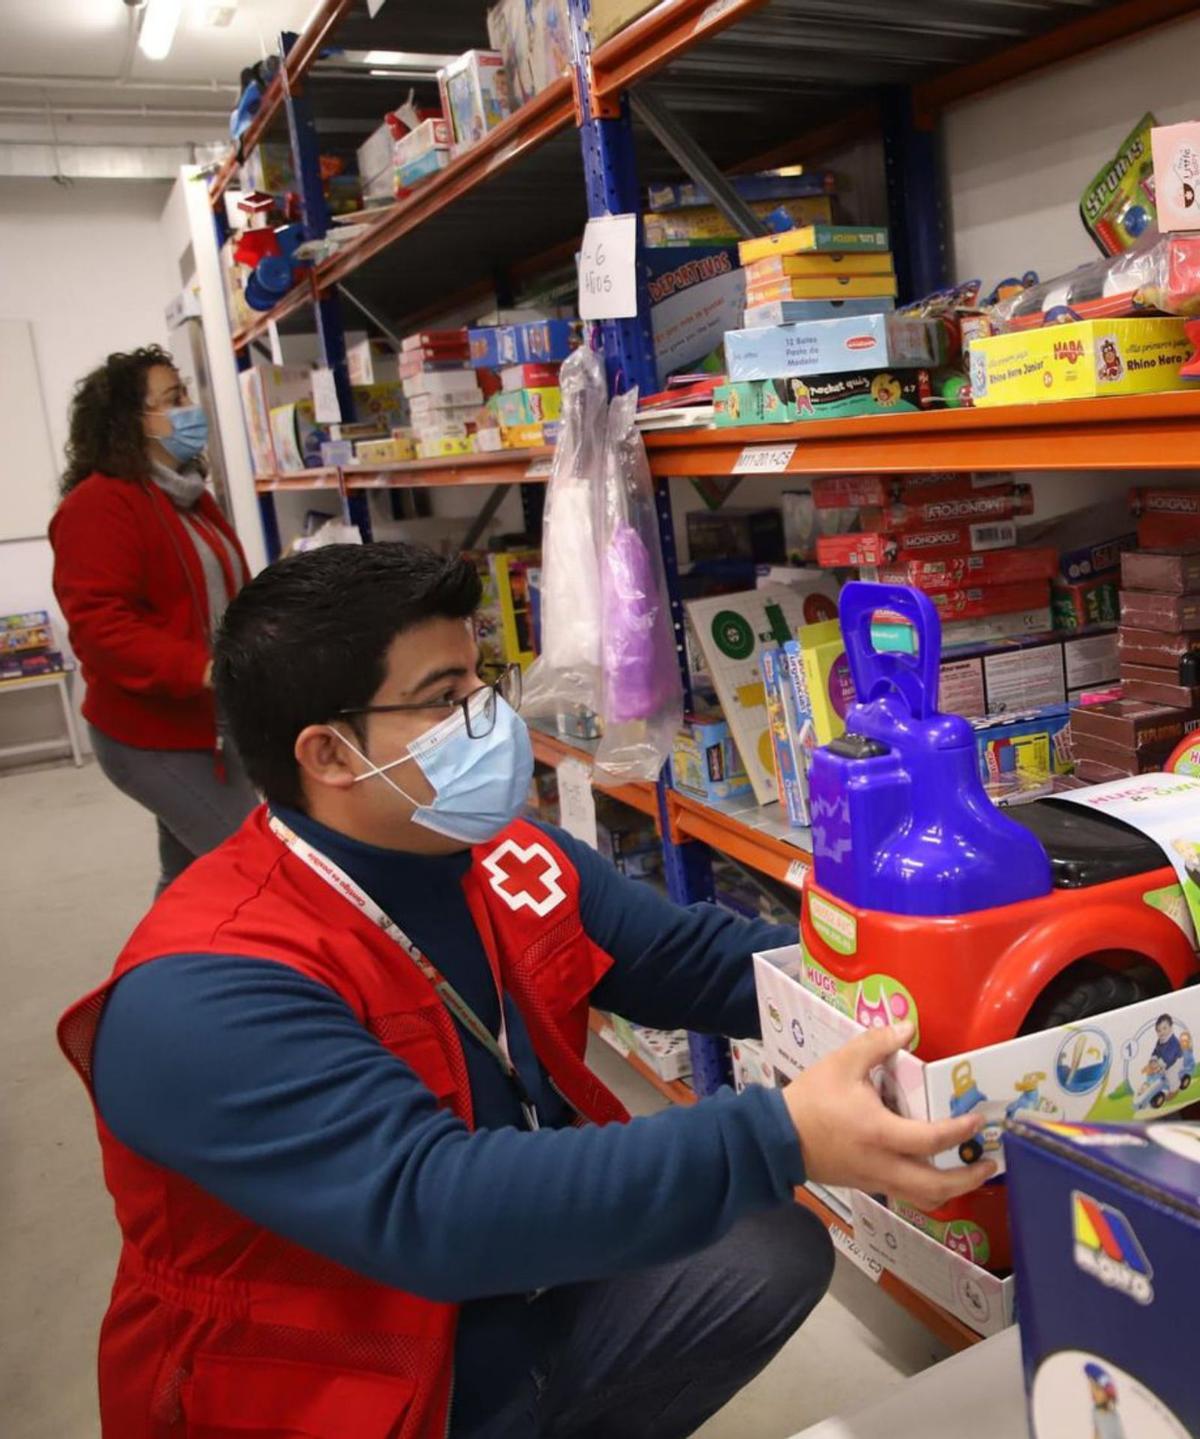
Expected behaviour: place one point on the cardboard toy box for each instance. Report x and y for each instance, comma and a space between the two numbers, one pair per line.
705, 762
1106, 1233
822, 397
826, 347
1086, 359
1101, 1069
475, 96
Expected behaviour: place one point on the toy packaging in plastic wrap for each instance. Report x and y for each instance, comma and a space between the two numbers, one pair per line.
706, 225
1085, 359
475, 96
792, 312
822, 397
1176, 150
1106, 1229
1118, 207
534, 39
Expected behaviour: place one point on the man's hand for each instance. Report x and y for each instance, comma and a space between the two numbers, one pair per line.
849, 1137
207, 681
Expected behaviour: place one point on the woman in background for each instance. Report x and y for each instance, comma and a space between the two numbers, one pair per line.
144, 566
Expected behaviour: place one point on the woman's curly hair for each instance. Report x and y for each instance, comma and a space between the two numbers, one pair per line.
106, 418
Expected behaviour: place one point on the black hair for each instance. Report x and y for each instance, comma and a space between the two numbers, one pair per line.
309, 637
106, 431
1164, 1018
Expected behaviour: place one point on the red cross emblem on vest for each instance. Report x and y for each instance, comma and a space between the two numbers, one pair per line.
525, 877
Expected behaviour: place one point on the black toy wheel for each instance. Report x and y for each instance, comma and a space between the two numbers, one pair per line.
970, 1151
1089, 989
1185, 1081
1158, 1101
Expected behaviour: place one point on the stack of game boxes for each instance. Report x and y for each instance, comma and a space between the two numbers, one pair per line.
444, 392
1159, 648
953, 537
685, 215
27, 646
524, 414
820, 340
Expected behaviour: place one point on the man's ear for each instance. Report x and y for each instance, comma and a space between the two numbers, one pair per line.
326, 759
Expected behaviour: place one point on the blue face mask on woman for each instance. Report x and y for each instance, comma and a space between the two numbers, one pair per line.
479, 784
189, 433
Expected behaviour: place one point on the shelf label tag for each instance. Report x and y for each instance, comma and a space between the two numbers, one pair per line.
763, 460
326, 409
855, 1253
576, 802
608, 269
712, 12
540, 469
797, 872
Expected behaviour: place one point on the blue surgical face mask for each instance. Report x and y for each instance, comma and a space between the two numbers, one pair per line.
189, 433
480, 784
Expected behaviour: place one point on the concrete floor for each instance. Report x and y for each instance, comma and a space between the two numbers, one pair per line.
77, 865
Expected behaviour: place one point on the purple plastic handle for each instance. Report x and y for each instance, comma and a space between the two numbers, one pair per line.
876, 672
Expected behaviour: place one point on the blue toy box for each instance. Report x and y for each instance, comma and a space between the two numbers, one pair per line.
1106, 1236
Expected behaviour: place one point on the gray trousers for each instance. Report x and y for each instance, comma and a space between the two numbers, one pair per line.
195, 810
654, 1353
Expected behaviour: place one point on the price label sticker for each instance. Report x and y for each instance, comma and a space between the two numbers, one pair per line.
540, 469
797, 872
576, 801
855, 1253
712, 12
763, 460
608, 269
326, 408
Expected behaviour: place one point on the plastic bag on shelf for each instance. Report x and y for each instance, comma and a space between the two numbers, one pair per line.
565, 679
643, 691
1162, 273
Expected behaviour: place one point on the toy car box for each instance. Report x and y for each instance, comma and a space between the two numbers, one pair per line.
1082, 360
1105, 1068
825, 347
1106, 1233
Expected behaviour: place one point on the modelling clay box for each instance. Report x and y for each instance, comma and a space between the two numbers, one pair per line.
1128, 1065
1081, 360
1106, 1233
826, 347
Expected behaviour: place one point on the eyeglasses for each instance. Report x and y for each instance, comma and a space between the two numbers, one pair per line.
478, 708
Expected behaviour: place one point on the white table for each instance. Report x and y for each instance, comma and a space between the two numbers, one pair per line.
979, 1392
62, 679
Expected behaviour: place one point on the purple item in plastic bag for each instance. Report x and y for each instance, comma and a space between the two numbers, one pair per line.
630, 616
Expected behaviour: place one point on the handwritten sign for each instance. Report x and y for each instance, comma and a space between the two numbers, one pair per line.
763, 460
576, 801
608, 269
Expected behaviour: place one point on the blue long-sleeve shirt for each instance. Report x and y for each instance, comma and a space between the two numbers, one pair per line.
261, 1086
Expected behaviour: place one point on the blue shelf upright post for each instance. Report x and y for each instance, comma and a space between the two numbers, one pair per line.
331, 333
912, 156
610, 173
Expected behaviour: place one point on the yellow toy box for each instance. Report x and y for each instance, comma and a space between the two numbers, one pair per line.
1083, 360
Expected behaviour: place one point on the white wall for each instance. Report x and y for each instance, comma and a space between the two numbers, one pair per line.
87, 267
1018, 158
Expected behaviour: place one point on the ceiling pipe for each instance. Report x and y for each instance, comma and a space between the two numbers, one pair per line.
66, 111
107, 82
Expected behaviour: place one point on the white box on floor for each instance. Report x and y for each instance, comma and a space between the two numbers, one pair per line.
982, 1300
1100, 1069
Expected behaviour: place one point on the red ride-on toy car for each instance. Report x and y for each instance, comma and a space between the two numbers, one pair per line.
932, 905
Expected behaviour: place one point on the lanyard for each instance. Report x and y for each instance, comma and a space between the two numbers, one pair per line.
339, 880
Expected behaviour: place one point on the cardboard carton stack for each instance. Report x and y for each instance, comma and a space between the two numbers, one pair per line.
27, 646
524, 413
444, 392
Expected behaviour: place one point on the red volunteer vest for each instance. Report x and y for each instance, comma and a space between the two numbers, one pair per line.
218, 1327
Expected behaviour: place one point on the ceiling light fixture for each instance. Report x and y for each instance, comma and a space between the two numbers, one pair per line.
159, 21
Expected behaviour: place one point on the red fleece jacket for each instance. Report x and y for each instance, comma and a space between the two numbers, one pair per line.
130, 583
